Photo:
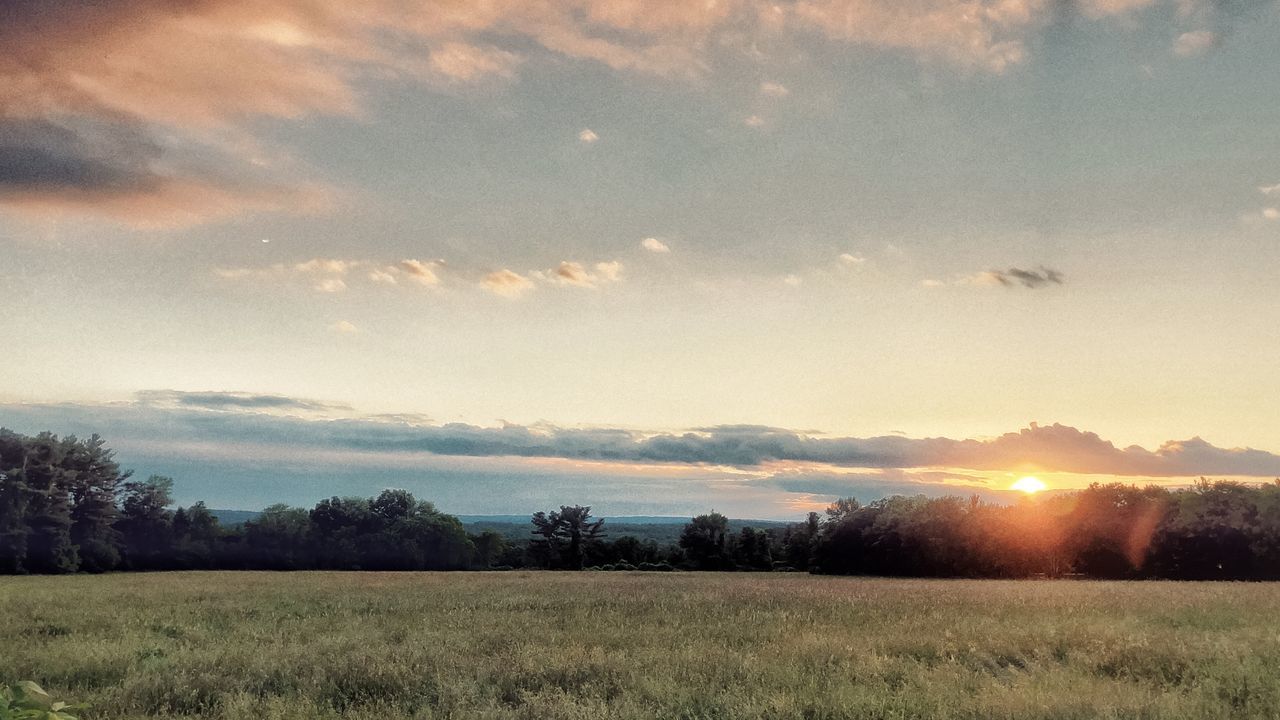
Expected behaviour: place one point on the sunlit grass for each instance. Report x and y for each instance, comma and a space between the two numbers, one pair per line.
632, 645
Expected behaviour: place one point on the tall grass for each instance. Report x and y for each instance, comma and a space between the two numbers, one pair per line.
639, 645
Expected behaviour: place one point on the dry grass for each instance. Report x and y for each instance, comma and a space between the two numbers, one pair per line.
638, 645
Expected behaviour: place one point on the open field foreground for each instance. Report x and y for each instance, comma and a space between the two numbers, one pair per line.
631, 645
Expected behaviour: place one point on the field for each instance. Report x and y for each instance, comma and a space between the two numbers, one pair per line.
638, 645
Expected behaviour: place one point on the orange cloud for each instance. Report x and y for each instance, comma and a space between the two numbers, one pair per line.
194, 71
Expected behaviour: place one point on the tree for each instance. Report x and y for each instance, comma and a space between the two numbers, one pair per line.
95, 479
14, 498
393, 504
841, 510
563, 537
801, 541
48, 511
703, 540
489, 547
195, 537
146, 524
279, 539
751, 552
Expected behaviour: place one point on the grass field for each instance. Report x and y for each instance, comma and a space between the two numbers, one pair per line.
631, 645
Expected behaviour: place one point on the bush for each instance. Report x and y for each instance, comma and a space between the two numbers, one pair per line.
28, 701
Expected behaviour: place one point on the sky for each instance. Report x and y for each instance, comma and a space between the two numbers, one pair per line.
658, 257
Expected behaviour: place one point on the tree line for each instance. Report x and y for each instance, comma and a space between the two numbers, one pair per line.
66, 506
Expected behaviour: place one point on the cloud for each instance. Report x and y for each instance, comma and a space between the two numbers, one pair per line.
587, 136
345, 327
237, 401
148, 111
851, 260
968, 33
333, 275
576, 274
460, 62
382, 277
117, 169
871, 486
242, 419
323, 274
1271, 213
1013, 277
423, 273
609, 271
773, 89
331, 285
754, 121
654, 245
1269, 189
1195, 42
1028, 278
324, 265
506, 283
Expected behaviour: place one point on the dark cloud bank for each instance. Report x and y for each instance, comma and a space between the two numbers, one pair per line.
241, 419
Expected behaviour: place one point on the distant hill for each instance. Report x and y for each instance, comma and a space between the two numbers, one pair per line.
234, 517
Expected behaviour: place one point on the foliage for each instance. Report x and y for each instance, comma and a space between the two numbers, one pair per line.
703, 540
28, 701
564, 537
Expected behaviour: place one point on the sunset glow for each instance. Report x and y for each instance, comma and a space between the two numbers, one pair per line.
1029, 485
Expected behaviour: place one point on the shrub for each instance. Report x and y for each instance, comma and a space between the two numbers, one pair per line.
28, 701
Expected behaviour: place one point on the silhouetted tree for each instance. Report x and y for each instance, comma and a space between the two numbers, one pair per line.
95, 480
146, 524
562, 537
751, 551
489, 547
703, 540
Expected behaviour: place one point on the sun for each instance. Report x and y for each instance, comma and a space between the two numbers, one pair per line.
1029, 485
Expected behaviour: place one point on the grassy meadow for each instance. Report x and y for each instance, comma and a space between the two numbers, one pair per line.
640, 645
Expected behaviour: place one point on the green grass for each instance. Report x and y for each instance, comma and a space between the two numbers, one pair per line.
639, 645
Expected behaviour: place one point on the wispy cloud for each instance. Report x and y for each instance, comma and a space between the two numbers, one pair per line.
1195, 42
344, 327
333, 275
506, 283
423, 273
461, 62
574, 273
773, 89
231, 401
1012, 277
322, 274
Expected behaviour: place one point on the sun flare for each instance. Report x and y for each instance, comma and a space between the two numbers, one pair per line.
1029, 485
